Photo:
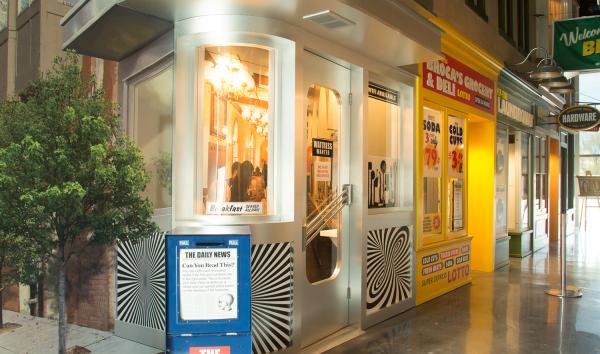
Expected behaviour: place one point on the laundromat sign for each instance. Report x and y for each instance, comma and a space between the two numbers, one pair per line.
453, 79
579, 118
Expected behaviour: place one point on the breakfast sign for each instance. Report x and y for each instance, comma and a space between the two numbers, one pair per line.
453, 79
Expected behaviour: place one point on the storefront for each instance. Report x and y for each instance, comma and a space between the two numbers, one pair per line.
294, 120
455, 167
529, 177
515, 113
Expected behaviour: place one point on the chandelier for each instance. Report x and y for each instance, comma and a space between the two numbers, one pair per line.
258, 117
228, 75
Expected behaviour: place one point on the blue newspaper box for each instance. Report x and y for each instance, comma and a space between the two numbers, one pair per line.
208, 291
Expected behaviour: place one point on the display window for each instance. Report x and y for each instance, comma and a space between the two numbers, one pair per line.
541, 174
525, 153
236, 130
384, 149
455, 168
432, 144
443, 164
501, 173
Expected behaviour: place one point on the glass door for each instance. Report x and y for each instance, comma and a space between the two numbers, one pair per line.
325, 300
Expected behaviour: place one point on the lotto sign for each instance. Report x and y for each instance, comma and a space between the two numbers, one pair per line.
210, 350
432, 143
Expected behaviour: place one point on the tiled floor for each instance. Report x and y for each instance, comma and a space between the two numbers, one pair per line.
504, 312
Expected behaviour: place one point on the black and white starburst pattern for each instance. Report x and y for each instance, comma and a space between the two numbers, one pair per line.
141, 282
272, 290
389, 267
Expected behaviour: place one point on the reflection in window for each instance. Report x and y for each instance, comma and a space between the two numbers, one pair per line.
525, 181
322, 178
3, 14
23, 5
383, 142
153, 125
235, 110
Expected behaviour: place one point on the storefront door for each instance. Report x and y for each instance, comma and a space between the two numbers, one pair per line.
325, 249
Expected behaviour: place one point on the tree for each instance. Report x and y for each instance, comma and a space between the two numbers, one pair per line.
76, 176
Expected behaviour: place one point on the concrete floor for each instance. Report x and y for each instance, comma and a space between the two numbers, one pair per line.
504, 312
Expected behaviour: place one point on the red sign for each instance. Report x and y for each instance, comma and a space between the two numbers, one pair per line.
210, 350
453, 79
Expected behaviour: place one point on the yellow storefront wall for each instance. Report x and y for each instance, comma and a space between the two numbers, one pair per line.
445, 259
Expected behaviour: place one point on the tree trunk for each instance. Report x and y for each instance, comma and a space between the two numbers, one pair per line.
1, 298
62, 340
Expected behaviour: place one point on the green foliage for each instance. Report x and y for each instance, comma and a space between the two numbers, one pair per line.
66, 169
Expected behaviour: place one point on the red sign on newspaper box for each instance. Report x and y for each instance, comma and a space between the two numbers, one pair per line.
453, 79
210, 350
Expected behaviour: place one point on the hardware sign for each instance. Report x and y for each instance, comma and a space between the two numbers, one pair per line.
579, 117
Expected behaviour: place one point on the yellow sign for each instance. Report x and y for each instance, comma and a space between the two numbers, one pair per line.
444, 268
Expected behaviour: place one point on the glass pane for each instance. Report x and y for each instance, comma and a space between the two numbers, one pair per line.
236, 132
501, 192
543, 161
322, 178
432, 171
544, 192
3, 14
525, 180
23, 5
153, 107
383, 147
455, 171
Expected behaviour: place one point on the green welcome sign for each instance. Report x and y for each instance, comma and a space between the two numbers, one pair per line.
577, 43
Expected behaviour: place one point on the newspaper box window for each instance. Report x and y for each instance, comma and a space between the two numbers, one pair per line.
236, 92
208, 290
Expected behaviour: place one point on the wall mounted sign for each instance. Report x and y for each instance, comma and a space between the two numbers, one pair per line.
511, 110
322, 147
383, 93
577, 43
579, 117
451, 78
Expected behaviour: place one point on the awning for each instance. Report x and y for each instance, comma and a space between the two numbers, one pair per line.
388, 30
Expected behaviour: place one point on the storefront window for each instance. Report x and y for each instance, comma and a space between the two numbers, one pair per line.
152, 125
236, 92
525, 181
23, 5
541, 175
501, 181
455, 173
384, 140
589, 153
3, 14
322, 178
432, 171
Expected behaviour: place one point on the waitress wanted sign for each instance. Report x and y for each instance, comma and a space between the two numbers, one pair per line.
453, 79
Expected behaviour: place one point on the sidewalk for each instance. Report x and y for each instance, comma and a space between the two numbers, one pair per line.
40, 335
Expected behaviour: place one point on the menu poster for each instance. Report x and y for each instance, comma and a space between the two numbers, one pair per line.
432, 143
208, 283
456, 146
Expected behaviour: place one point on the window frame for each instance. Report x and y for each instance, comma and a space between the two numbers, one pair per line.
479, 7
189, 83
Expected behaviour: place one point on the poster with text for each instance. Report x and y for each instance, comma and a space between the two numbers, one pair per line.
208, 283
432, 142
456, 147
457, 205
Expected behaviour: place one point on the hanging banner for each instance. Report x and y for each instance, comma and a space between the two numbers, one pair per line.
577, 43
579, 118
451, 78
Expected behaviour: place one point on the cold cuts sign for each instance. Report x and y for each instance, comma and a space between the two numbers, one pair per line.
453, 79
579, 118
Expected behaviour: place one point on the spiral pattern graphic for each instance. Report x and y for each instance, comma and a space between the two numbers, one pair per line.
389, 267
